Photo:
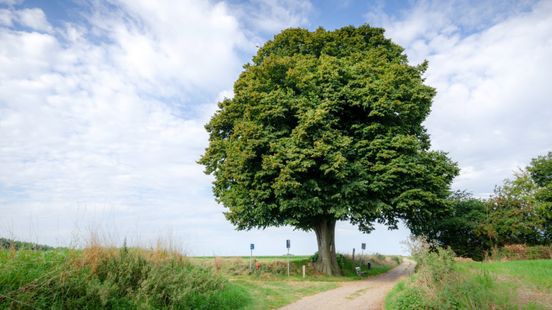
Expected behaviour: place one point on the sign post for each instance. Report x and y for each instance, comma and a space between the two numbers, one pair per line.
363, 247
288, 245
251, 247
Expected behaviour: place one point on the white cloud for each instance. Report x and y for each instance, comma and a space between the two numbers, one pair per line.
272, 16
10, 2
6, 17
34, 19
492, 111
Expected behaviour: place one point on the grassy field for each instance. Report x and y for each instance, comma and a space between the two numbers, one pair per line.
476, 285
275, 267
536, 274
102, 277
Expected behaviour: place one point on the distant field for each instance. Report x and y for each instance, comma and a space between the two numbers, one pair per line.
275, 267
259, 258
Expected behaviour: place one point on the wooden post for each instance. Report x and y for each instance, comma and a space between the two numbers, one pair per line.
304, 267
353, 254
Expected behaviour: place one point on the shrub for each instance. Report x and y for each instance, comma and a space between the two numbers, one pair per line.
521, 252
18, 245
436, 267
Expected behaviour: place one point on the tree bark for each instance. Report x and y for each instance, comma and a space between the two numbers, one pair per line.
325, 235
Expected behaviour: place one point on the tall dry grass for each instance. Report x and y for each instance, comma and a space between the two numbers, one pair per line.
104, 276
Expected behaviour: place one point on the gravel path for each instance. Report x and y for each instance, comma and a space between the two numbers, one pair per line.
365, 294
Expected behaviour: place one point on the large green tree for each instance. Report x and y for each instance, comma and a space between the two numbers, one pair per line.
326, 126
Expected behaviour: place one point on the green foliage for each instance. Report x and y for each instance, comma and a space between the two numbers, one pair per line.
436, 265
519, 212
541, 169
327, 125
339, 257
541, 173
463, 228
521, 209
513, 214
18, 245
108, 278
410, 298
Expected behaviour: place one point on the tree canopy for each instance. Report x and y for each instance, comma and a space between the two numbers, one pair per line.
326, 126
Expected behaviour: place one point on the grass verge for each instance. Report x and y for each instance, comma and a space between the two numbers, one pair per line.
277, 293
97, 278
442, 283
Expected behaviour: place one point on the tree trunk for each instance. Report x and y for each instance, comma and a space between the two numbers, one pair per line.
325, 235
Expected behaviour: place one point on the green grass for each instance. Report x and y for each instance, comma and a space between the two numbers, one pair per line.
391, 298
476, 285
277, 293
534, 272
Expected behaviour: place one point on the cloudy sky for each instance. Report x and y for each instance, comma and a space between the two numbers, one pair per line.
102, 107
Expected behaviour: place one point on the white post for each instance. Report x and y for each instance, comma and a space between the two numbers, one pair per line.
251, 261
303, 271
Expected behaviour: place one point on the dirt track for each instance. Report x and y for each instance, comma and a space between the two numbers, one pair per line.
366, 294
